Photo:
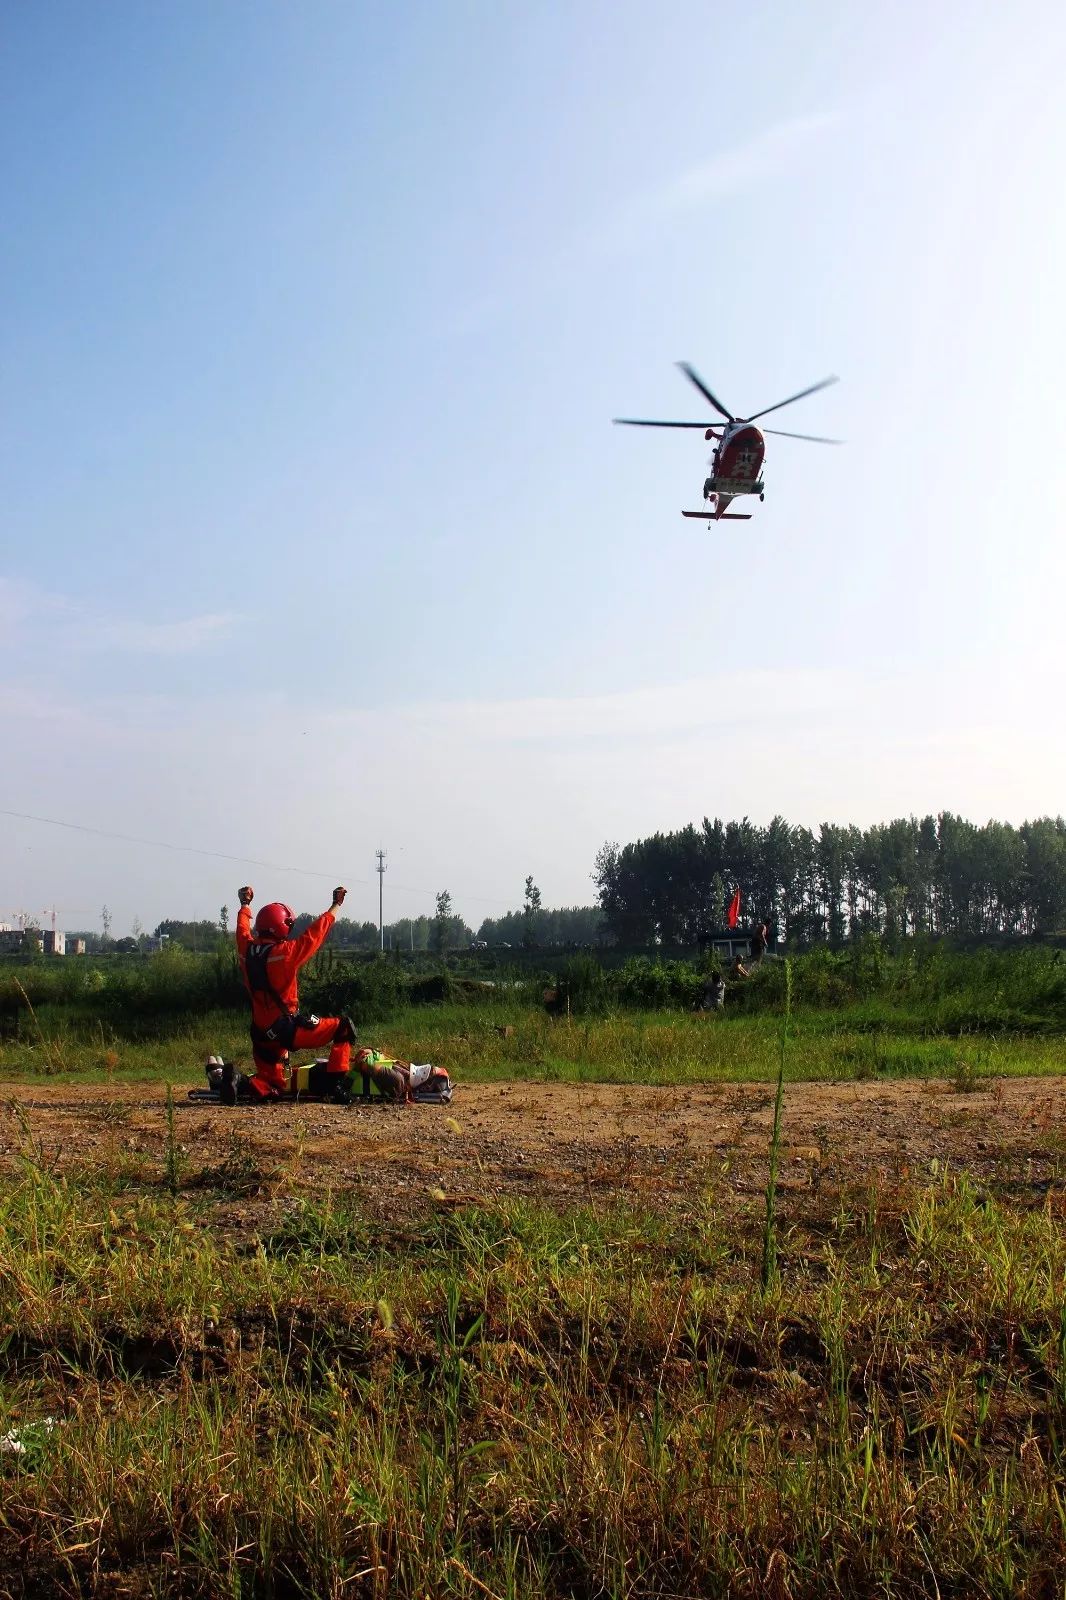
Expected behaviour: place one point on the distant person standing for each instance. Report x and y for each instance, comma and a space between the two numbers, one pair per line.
760, 939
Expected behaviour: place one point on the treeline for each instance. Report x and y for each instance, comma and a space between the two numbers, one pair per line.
544, 927
419, 933
201, 935
540, 928
940, 875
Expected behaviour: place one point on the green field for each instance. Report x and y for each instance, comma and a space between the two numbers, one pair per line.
214, 1386
925, 1011
508, 1401
626, 1048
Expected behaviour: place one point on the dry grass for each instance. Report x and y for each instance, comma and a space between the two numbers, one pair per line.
516, 1401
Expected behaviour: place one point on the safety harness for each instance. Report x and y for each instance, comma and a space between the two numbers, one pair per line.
275, 1042
283, 1029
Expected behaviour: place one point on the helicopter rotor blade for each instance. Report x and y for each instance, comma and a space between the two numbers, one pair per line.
693, 377
793, 398
648, 422
811, 438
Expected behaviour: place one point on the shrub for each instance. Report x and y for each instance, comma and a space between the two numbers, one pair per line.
645, 985
368, 991
581, 985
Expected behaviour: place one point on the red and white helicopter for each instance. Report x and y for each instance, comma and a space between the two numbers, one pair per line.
736, 467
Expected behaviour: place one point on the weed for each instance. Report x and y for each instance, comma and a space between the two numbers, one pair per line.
174, 1158
964, 1077
769, 1241
52, 1048
551, 1403
238, 1172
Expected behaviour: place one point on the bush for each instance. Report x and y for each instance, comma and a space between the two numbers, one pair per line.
368, 991
926, 987
644, 985
581, 987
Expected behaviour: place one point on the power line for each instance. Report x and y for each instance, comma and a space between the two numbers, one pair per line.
221, 855
381, 893
162, 844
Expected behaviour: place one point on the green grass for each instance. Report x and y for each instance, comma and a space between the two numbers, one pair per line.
858, 1013
517, 1402
654, 1047
864, 1395
861, 1013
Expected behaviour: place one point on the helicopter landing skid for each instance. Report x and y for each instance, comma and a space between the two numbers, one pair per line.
721, 516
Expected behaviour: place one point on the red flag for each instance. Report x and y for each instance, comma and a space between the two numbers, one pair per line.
734, 907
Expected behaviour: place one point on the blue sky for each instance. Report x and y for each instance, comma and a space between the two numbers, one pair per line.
316, 532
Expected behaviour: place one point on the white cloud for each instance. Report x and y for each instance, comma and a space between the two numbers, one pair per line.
768, 153
642, 215
76, 628
717, 701
728, 172
24, 703
24, 603
162, 638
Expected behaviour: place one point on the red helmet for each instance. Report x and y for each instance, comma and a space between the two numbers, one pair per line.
274, 921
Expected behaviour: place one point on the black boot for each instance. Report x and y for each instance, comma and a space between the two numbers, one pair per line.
228, 1092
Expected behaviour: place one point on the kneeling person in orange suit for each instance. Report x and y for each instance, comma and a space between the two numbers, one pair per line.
270, 959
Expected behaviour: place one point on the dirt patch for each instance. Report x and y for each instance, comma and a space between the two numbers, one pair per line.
565, 1141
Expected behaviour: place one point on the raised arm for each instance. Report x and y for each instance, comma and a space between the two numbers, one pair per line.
314, 937
243, 930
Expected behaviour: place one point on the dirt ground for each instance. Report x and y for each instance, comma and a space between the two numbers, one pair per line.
567, 1143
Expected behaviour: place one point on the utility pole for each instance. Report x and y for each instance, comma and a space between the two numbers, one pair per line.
381, 894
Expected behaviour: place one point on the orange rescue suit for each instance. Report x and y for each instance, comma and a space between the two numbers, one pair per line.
283, 964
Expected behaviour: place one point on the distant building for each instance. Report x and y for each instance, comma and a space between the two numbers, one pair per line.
731, 944
13, 941
75, 947
53, 942
5, 927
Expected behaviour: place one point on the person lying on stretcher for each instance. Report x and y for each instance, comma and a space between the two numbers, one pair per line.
394, 1079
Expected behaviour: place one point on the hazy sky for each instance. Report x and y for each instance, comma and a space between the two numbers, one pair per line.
316, 532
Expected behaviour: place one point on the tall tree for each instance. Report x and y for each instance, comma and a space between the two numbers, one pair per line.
441, 921
1044, 880
530, 914
901, 877
190, 935
717, 903
833, 876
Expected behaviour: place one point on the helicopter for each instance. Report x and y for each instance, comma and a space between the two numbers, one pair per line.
736, 467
